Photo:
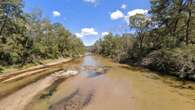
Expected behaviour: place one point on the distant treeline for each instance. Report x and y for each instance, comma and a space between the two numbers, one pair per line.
164, 39
28, 37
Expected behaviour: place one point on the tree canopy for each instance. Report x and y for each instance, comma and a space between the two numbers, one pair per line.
164, 39
29, 37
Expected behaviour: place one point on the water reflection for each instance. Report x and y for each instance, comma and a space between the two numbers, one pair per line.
91, 67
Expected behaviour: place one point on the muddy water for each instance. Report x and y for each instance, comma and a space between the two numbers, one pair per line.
104, 85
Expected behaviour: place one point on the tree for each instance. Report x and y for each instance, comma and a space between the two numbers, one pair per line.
174, 18
190, 8
28, 37
139, 23
13, 39
114, 46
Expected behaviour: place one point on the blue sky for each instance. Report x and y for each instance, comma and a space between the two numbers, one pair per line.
89, 19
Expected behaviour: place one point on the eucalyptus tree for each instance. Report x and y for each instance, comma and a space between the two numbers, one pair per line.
174, 19
13, 40
190, 21
26, 37
139, 23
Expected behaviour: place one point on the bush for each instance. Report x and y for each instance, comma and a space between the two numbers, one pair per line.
177, 61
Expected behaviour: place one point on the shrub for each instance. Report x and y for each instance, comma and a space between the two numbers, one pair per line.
177, 61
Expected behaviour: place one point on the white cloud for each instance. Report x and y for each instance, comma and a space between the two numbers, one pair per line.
90, 1
134, 12
87, 32
123, 6
78, 34
105, 33
56, 13
116, 15
137, 11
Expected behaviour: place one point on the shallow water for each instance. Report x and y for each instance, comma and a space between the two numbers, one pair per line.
104, 85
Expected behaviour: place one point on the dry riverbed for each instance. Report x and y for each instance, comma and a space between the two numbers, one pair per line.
100, 85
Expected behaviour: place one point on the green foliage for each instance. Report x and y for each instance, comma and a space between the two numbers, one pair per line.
174, 20
164, 39
26, 38
115, 47
139, 23
178, 61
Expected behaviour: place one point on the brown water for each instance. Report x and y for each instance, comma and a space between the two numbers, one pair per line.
104, 85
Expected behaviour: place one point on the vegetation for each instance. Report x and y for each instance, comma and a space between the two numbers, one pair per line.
115, 47
28, 37
164, 39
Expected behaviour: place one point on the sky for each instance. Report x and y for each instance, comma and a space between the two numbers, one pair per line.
90, 19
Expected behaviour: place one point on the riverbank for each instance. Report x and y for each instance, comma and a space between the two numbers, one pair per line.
15, 80
121, 87
100, 84
177, 60
32, 90
13, 68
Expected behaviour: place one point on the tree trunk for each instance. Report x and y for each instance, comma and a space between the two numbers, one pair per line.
188, 22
